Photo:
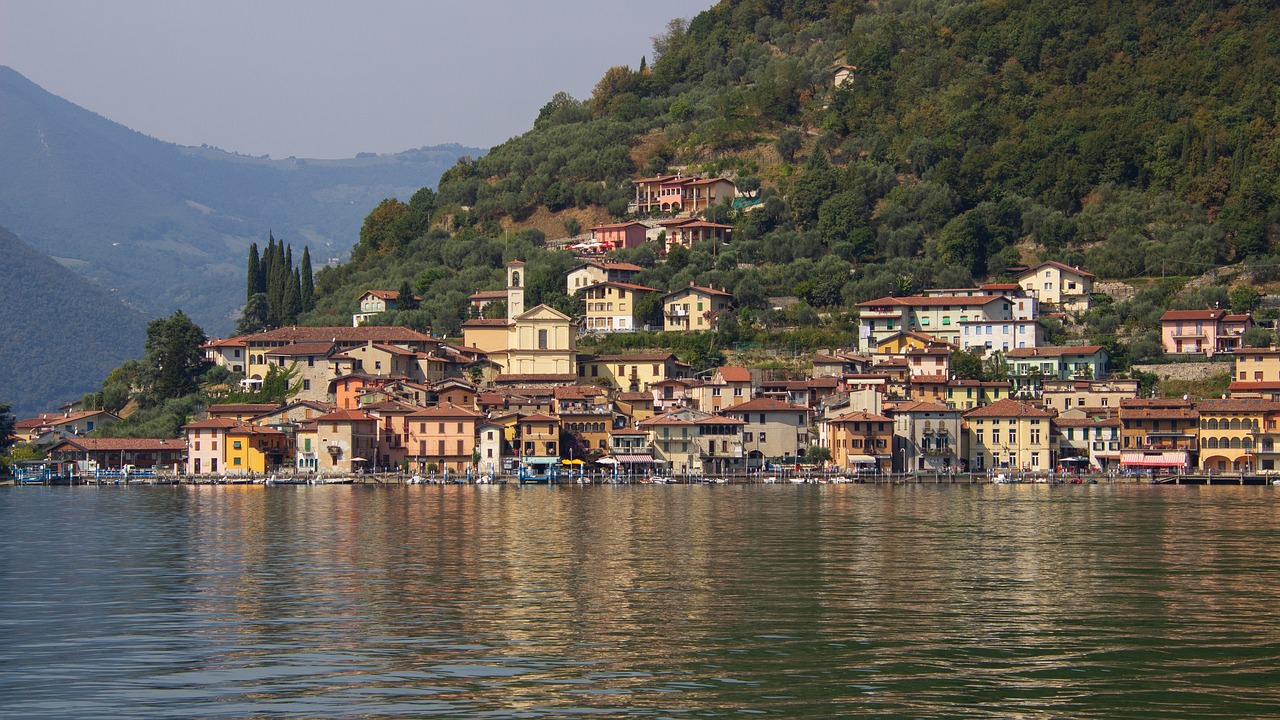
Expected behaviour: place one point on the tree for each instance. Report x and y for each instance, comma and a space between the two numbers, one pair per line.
966, 365
405, 299
254, 274
817, 454
788, 144
254, 316
1244, 298
308, 281
6, 428
172, 357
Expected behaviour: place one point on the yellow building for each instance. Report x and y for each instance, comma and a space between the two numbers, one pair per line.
860, 440
1237, 434
969, 394
1010, 434
631, 372
611, 306
694, 308
539, 341
254, 449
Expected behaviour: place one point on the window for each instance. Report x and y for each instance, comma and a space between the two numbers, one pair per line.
542, 339
762, 437
306, 384
236, 460
235, 445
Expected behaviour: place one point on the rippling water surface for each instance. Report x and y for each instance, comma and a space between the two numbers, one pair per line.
668, 601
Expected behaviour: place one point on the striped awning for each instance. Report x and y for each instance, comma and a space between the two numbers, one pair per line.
634, 459
1174, 458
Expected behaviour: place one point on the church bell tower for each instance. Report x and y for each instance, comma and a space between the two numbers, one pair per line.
515, 289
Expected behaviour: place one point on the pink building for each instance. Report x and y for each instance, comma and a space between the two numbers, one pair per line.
1203, 331
618, 236
678, 194
687, 232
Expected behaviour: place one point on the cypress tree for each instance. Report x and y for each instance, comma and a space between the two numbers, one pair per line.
288, 259
308, 284
291, 300
254, 273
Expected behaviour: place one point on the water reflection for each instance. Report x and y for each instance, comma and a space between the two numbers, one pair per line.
913, 601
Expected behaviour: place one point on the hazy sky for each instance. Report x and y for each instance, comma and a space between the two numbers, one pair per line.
326, 78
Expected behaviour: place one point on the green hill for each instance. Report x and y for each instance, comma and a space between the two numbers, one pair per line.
62, 334
1133, 138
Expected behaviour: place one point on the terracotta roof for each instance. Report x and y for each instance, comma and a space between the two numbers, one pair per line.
919, 407
539, 417
1000, 286
930, 350
765, 405
859, 416
734, 373
488, 295
123, 444
445, 410
251, 429
1192, 315
1241, 317
55, 419
1254, 385
938, 379
1058, 265
299, 349
1009, 407
959, 382
1229, 405
210, 424
1053, 351
228, 342
1111, 421
633, 396
705, 224
616, 283
611, 265
340, 333
618, 226
700, 289
345, 416
486, 322
922, 301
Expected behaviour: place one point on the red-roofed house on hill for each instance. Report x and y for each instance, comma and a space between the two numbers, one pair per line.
694, 308
619, 236
1055, 283
1205, 332
611, 306
373, 302
680, 194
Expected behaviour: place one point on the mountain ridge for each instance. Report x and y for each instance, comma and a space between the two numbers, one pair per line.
167, 225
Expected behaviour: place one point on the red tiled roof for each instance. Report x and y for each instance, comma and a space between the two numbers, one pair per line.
859, 416
340, 333
88, 444
611, 265
1248, 405
539, 417
917, 407
630, 357
345, 416
1009, 407
488, 295
700, 289
241, 408
1058, 265
445, 410
210, 424
299, 349
922, 301
534, 377
617, 226
486, 322
734, 373
1192, 315
765, 405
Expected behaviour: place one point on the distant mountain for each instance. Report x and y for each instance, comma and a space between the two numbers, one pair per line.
168, 226
62, 333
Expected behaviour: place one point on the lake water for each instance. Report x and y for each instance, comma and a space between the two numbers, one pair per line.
640, 601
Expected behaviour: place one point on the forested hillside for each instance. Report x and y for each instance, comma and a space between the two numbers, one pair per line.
62, 333
1136, 139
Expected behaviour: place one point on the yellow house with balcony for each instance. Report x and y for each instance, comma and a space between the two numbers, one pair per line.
254, 449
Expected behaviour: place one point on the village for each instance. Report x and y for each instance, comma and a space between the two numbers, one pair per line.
513, 397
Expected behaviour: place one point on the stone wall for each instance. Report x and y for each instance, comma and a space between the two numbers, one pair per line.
1187, 370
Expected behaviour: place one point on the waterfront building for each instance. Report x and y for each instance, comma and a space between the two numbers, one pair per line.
1159, 434
773, 431
860, 441
346, 441
1091, 435
694, 442
1010, 434
927, 436
443, 436
536, 342
116, 454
